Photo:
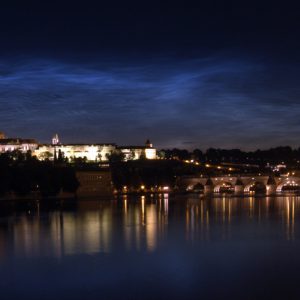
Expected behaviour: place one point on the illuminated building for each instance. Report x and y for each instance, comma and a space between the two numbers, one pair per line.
89, 152
12, 144
55, 140
93, 152
137, 152
96, 152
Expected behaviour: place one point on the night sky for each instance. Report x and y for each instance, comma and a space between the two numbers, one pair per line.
224, 74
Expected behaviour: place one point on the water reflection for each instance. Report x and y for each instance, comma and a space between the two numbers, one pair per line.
145, 224
223, 214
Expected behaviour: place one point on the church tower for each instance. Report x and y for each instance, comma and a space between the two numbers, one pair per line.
55, 139
148, 144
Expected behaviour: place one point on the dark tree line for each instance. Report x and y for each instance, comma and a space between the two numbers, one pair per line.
149, 173
260, 157
23, 174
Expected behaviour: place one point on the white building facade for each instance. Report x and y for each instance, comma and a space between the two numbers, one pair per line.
97, 152
14, 144
89, 152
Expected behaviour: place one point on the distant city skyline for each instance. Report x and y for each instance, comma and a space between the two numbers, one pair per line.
224, 76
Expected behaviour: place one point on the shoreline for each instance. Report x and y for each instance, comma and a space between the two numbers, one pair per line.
152, 195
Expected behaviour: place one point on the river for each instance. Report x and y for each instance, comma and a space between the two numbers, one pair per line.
151, 247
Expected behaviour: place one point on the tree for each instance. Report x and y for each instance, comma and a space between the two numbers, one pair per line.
60, 156
79, 160
16, 155
161, 154
99, 156
143, 155
50, 181
131, 155
115, 156
45, 155
21, 181
198, 155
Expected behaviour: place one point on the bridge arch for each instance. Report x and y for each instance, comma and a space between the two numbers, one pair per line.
198, 187
195, 187
223, 187
255, 186
190, 187
288, 185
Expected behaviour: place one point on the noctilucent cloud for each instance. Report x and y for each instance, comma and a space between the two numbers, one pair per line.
198, 94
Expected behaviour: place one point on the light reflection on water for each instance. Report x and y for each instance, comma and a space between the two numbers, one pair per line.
152, 247
143, 223
260, 211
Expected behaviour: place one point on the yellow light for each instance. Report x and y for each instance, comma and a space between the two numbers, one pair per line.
219, 167
207, 165
150, 153
142, 187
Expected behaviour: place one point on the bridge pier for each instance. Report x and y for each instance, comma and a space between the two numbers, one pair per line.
238, 190
208, 187
238, 187
271, 189
271, 186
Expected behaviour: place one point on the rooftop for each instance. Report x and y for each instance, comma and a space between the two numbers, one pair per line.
17, 141
78, 144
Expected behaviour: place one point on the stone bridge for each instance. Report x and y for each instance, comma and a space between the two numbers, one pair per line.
240, 184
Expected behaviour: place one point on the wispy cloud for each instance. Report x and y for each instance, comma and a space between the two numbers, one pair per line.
216, 101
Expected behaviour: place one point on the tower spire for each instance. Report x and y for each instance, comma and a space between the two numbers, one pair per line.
148, 144
55, 139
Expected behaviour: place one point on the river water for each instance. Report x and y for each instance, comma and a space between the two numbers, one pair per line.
160, 247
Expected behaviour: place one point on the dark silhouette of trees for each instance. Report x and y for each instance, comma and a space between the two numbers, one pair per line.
77, 161
197, 154
216, 156
23, 174
115, 157
149, 173
46, 155
21, 181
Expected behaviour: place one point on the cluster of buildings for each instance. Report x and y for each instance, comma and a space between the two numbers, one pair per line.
90, 152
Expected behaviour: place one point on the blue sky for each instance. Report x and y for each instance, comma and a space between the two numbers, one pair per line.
217, 101
217, 74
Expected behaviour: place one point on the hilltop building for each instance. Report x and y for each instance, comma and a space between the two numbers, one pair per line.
12, 144
93, 152
137, 152
55, 140
90, 152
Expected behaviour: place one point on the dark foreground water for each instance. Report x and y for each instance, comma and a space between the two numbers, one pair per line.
152, 248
